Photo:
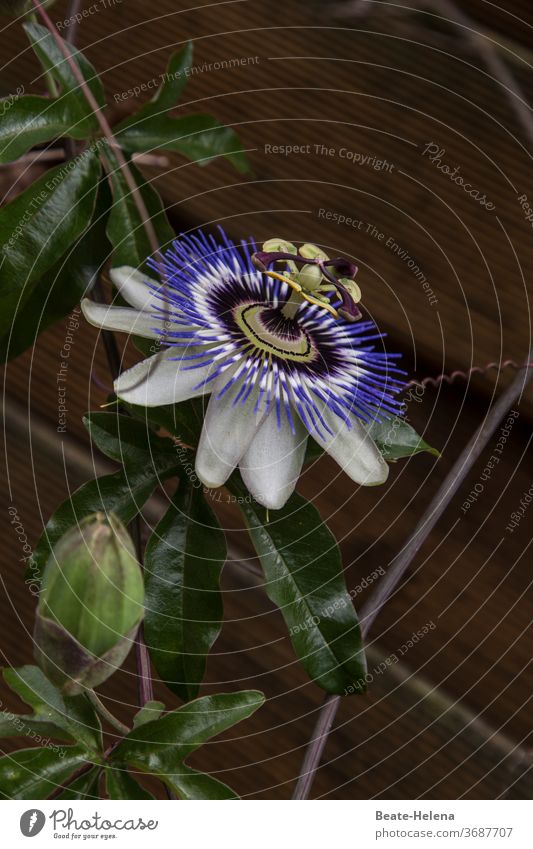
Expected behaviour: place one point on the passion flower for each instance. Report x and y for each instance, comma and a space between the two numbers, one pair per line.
283, 354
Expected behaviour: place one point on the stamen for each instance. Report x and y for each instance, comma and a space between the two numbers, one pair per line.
297, 288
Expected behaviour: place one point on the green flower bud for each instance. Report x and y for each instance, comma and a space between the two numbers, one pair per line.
15, 8
90, 606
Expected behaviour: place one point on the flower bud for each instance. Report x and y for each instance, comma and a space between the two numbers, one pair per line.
90, 605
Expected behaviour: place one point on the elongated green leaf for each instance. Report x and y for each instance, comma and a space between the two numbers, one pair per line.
396, 438
38, 227
61, 288
35, 773
182, 731
125, 230
121, 493
183, 605
159, 748
183, 420
83, 787
175, 80
53, 61
190, 784
170, 90
304, 578
148, 712
121, 785
200, 138
27, 725
31, 120
74, 716
128, 440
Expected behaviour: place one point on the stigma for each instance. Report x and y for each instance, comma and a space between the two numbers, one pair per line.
312, 276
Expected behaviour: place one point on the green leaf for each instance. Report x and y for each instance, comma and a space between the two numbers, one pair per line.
27, 725
168, 94
83, 787
35, 773
129, 441
201, 138
183, 605
160, 747
396, 438
38, 227
313, 451
71, 96
304, 578
190, 785
180, 732
121, 785
74, 716
31, 120
61, 288
170, 90
121, 493
183, 420
125, 230
149, 712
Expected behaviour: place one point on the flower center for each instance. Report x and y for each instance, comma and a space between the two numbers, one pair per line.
269, 330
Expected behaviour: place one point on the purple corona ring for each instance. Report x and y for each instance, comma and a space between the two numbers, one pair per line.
279, 346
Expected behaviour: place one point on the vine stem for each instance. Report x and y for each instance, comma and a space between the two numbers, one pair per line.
399, 565
105, 128
101, 709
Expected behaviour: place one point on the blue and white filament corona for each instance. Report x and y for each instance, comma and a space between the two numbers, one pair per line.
279, 352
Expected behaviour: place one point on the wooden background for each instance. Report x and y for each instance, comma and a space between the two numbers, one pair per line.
451, 719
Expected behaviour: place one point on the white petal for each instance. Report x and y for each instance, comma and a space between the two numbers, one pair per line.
273, 462
353, 449
124, 319
162, 380
226, 434
134, 286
